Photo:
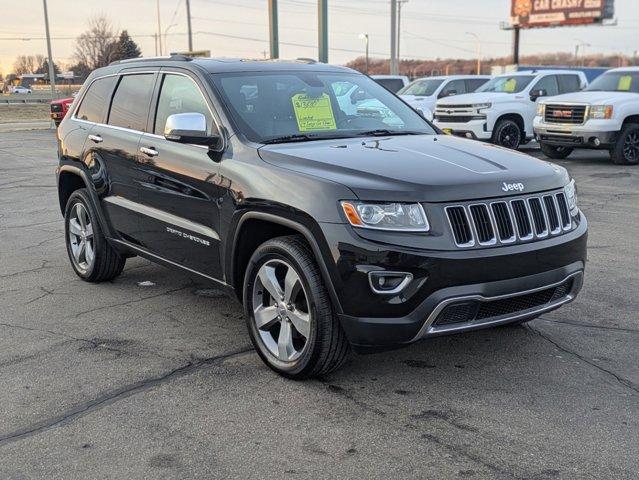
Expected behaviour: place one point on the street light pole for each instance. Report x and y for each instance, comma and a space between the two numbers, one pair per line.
188, 23
393, 37
364, 36
157, 4
51, 67
478, 50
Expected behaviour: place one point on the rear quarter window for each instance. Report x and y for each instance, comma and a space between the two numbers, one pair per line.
130, 105
96, 101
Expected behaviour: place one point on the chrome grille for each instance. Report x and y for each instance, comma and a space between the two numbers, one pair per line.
503, 222
566, 114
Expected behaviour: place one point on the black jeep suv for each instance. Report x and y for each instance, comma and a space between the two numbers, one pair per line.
337, 215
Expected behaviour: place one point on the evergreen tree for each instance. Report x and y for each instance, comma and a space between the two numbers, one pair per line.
124, 47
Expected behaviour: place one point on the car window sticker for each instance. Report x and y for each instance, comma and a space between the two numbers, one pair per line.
510, 85
624, 84
313, 114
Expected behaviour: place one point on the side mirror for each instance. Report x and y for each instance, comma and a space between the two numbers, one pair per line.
535, 94
188, 128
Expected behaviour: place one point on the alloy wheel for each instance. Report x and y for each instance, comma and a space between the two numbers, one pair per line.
281, 310
81, 238
509, 136
631, 147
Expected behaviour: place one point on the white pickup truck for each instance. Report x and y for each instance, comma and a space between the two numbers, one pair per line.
502, 110
423, 93
604, 116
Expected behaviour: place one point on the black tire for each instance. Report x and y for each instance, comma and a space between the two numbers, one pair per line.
626, 149
326, 347
555, 152
106, 262
507, 134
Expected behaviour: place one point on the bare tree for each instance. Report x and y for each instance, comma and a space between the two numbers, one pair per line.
24, 64
94, 48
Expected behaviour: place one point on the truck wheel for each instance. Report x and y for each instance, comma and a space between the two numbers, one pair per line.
92, 257
555, 152
507, 134
289, 313
626, 149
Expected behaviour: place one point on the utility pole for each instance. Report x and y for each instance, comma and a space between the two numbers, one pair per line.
516, 45
157, 3
273, 29
399, 26
51, 67
393, 38
364, 36
322, 30
188, 23
478, 50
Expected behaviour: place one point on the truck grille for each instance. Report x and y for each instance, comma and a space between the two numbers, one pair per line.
503, 222
457, 118
565, 114
480, 311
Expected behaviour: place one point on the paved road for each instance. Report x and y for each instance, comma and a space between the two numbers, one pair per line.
123, 380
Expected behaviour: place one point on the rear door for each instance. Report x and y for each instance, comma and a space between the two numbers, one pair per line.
116, 143
180, 188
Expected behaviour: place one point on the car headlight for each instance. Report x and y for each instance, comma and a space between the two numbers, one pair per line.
541, 109
482, 106
600, 112
570, 191
401, 217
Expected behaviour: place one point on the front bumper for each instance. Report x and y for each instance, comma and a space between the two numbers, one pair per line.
475, 129
486, 286
576, 136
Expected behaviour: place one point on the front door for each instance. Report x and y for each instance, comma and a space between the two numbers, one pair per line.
179, 191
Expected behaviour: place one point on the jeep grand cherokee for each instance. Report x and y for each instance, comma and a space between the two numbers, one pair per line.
336, 226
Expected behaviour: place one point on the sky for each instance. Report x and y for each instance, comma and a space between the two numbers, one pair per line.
239, 28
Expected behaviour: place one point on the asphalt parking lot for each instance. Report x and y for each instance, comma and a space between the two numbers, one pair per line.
151, 376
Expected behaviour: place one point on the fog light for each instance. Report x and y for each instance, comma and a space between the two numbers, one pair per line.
469, 135
389, 283
596, 141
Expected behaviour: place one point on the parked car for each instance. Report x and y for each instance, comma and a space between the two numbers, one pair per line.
502, 110
423, 93
336, 230
391, 82
19, 89
59, 109
604, 116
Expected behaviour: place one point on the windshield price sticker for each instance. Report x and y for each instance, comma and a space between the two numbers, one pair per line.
624, 83
313, 114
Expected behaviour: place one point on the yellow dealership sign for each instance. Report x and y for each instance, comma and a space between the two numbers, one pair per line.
313, 114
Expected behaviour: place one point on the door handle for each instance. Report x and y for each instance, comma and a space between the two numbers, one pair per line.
95, 138
150, 152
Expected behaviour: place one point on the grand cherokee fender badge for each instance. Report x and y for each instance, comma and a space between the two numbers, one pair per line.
509, 187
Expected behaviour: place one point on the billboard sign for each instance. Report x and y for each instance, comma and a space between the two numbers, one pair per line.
555, 13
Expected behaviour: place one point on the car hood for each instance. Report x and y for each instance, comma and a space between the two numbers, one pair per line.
481, 97
593, 97
436, 168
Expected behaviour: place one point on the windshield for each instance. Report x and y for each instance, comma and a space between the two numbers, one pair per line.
616, 82
424, 88
507, 84
293, 106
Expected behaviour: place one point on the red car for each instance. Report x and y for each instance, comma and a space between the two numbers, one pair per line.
59, 109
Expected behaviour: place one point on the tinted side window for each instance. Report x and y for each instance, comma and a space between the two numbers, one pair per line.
96, 101
548, 83
456, 86
568, 83
130, 105
474, 83
392, 84
180, 95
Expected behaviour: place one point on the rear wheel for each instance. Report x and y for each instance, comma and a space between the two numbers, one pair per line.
92, 257
507, 134
626, 150
289, 313
555, 152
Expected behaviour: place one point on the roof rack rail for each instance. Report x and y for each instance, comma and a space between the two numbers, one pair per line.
306, 60
173, 58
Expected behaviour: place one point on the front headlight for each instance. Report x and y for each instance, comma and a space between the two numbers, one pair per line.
570, 191
401, 217
600, 112
541, 109
482, 106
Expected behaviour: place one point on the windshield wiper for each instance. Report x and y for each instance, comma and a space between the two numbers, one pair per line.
384, 131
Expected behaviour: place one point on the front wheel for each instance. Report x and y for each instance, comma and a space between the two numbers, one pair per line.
507, 134
626, 149
289, 313
555, 152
